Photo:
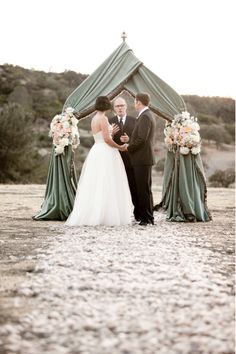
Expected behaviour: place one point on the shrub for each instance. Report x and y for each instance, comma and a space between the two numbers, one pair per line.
16, 138
85, 123
44, 140
87, 141
21, 96
216, 133
208, 119
160, 165
230, 128
222, 178
46, 103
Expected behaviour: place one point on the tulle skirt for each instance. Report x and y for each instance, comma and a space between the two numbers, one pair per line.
103, 195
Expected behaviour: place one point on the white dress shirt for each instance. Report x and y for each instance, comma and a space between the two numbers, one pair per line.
144, 109
123, 119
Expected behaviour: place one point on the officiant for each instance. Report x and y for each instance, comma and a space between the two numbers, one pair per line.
124, 126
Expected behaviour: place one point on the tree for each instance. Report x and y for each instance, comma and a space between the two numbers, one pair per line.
16, 152
216, 133
222, 178
220, 107
21, 96
160, 165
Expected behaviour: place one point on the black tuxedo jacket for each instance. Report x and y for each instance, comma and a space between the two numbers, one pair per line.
128, 129
141, 146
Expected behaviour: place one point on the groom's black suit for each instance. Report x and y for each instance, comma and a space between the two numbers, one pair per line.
127, 128
141, 150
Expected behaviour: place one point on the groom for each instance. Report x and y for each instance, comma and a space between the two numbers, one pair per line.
141, 151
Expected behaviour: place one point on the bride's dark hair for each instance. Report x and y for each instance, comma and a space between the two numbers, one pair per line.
102, 103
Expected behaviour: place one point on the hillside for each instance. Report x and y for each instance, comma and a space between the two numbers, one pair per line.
29, 99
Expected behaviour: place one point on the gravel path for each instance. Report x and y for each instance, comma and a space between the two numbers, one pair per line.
165, 289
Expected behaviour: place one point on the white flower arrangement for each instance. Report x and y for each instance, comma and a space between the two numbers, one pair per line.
183, 134
64, 131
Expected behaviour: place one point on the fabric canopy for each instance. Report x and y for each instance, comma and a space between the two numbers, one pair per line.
122, 70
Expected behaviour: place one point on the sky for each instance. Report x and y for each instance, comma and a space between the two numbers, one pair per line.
189, 44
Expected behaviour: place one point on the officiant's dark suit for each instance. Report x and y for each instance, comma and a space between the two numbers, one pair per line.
127, 127
141, 151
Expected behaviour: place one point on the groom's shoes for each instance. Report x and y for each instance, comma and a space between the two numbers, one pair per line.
143, 223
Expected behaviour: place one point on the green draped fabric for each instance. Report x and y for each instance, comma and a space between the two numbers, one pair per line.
164, 100
61, 187
184, 193
122, 70
108, 76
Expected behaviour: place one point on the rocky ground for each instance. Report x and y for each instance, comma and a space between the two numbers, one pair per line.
166, 289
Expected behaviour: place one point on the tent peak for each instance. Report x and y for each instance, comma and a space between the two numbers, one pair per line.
123, 36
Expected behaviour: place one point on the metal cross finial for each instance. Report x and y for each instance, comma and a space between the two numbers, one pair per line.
123, 36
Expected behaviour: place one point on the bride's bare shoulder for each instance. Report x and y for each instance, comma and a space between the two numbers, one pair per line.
104, 120
98, 116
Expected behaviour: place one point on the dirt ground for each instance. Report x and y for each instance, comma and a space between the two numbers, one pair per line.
166, 289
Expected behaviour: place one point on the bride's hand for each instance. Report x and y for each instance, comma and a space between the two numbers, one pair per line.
123, 147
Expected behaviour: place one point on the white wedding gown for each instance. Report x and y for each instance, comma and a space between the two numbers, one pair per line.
103, 195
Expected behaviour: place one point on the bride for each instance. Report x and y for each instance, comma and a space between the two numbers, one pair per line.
103, 195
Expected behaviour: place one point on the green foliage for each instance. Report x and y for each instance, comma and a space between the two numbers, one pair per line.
220, 107
72, 78
230, 129
208, 119
3, 100
216, 133
87, 141
17, 157
6, 85
222, 178
160, 165
44, 141
29, 99
85, 123
160, 125
216, 117
44, 92
46, 103
21, 96
38, 173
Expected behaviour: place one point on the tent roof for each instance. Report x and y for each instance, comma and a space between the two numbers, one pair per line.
122, 70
